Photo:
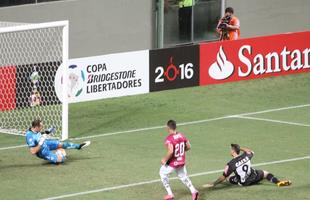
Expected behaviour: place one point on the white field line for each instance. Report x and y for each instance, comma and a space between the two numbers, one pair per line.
194, 122
276, 109
158, 180
151, 128
12, 147
10, 132
179, 124
273, 121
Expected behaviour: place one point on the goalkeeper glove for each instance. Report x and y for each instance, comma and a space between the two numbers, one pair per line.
42, 139
50, 130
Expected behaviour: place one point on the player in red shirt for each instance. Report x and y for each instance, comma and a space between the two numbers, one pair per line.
174, 161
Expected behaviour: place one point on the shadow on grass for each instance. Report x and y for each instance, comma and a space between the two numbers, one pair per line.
265, 188
203, 192
75, 158
44, 163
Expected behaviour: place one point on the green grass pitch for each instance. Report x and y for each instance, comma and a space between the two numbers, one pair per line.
134, 157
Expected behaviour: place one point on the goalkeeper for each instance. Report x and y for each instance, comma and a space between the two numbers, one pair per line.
48, 149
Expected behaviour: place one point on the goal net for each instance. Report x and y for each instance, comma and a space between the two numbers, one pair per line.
30, 56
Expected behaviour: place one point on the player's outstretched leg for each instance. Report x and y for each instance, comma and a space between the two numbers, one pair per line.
84, 144
164, 176
70, 145
182, 174
270, 177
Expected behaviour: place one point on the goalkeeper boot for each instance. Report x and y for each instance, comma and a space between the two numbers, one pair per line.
284, 183
84, 144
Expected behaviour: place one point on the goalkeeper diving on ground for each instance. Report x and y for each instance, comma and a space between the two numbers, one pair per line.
46, 148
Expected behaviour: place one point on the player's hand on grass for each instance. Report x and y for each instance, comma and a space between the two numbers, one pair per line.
209, 185
42, 139
163, 161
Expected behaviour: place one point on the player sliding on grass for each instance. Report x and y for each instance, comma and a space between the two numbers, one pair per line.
245, 175
48, 149
177, 144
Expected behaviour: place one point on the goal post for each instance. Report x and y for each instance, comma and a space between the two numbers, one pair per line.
30, 56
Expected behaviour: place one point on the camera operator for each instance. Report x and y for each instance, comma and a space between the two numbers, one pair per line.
229, 26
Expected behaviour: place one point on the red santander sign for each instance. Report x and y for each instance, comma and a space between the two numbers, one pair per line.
254, 58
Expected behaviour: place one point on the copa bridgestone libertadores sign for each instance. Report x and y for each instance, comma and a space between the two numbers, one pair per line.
106, 76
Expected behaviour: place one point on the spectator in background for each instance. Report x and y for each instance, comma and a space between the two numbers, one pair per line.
185, 20
229, 26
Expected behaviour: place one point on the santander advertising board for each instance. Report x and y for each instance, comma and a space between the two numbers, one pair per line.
253, 58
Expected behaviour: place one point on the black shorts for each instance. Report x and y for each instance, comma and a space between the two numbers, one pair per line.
256, 177
234, 180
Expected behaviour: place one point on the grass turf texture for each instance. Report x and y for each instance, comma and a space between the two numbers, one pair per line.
135, 157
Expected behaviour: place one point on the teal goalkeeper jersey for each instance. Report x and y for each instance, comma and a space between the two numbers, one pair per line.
33, 139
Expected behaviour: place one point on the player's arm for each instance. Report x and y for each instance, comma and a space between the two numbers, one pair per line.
246, 150
187, 146
220, 179
168, 155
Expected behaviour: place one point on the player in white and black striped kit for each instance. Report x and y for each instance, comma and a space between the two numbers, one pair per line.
244, 174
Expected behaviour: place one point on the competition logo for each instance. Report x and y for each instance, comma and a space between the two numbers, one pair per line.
75, 79
106, 76
222, 68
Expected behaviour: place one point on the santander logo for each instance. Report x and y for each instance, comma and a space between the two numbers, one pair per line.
222, 68
249, 64
254, 58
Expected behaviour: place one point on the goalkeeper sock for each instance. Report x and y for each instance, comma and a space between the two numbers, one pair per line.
70, 145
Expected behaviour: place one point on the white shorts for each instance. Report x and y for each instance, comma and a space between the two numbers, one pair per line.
166, 170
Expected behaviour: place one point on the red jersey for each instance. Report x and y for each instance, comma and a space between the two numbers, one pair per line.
178, 141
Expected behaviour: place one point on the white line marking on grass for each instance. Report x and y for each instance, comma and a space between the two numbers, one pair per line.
11, 132
180, 124
158, 180
276, 109
192, 122
12, 147
272, 120
150, 128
